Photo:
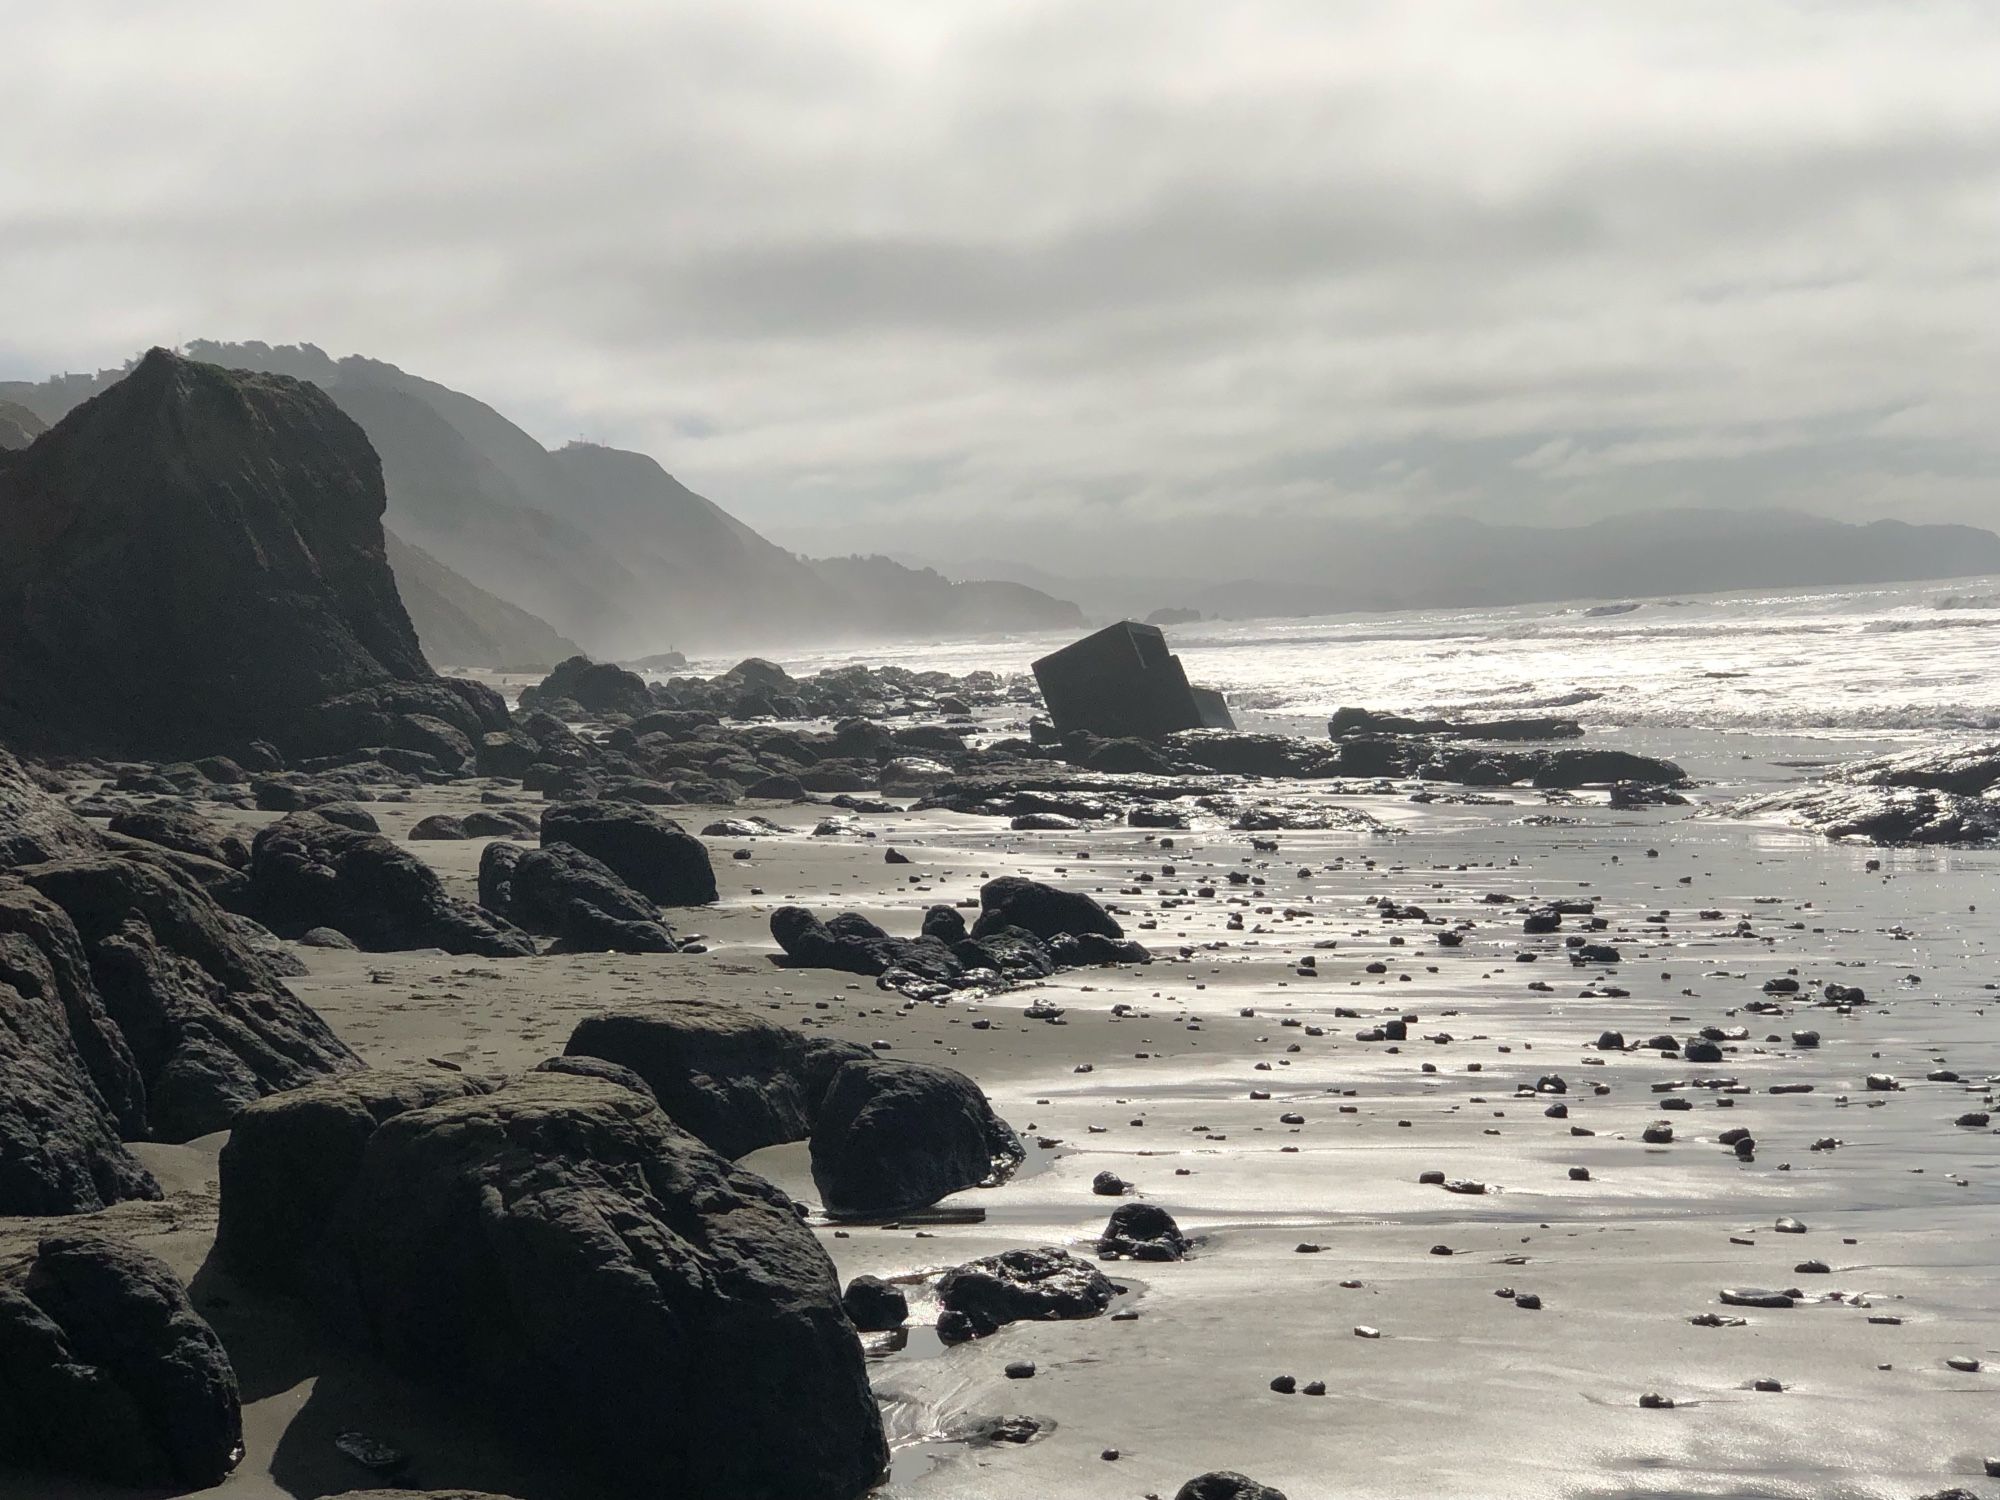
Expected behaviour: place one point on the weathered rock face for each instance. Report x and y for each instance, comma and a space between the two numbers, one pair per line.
69, 1089
1044, 910
108, 1372
206, 1024
1226, 1484
35, 826
889, 1137
192, 560
734, 1080
1949, 796
564, 893
1142, 1231
649, 852
291, 1158
852, 944
1123, 681
873, 1305
1019, 1285
184, 833
596, 687
306, 871
561, 1248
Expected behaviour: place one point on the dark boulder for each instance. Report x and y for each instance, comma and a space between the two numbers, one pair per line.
442, 826
735, 1080
208, 1026
1044, 910
291, 1158
597, 1067
1020, 1286
1073, 950
649, 852
1576, 768
596, 687
107, 1372
69, 1088
186, 833
565, 894
559, 1248
873, 1305
889, 1137
1226, 1484
193, 560
308, 872
1142, 1231
1015, 955
851, 944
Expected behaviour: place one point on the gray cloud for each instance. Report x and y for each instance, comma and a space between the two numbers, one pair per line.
864, 270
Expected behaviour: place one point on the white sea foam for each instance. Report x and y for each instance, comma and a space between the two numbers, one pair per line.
1875, 658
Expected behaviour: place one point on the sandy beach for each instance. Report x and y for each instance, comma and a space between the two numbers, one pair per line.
1321, 1255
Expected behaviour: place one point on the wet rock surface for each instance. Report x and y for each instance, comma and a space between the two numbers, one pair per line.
108, 1372
888, 1137
560, 1247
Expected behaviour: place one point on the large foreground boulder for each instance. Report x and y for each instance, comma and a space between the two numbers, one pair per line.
190, 561
890, 1137
732, 1079
206, 1024
291, 1158
648, 851
107, 1371
561, 1249
1045, 910
563, 893
69, 1088
307, 871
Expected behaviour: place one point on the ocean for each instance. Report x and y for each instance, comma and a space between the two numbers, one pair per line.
1825, 673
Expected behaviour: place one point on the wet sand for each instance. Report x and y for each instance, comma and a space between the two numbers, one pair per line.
1464, 1392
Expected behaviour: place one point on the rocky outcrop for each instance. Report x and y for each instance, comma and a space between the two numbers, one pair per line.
1045, 910
206, 1024
306, 871
193, 560
34, 824
562, 1250
1019, 1285
890, 1137
1226, 1484
1141, 1231
1949, 796
648, 851
563, 893
184, 832
595, 687
69, 1089
732, 1079
291, 1158
108, 1373
1347, 723
850, 943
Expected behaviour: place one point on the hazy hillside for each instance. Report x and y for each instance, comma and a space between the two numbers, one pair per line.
896, 600
18, 425
604, 546
459, 624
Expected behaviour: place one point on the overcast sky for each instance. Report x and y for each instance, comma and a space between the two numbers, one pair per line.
898, 273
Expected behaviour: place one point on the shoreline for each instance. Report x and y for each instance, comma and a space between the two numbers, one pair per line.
1463, 1394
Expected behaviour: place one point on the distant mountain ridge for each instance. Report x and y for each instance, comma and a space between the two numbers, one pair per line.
592, 545
1340, 566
